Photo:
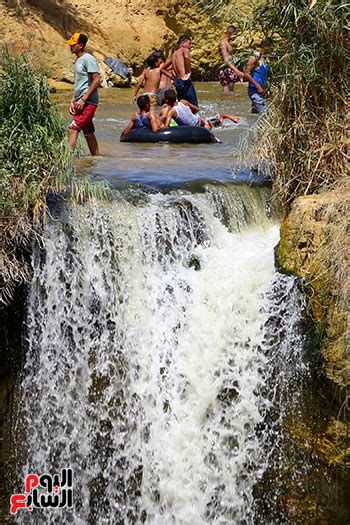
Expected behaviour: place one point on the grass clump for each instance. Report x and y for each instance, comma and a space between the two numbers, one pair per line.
304, 134
35, 157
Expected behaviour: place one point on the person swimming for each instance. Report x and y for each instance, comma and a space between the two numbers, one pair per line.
218, 121
144, 118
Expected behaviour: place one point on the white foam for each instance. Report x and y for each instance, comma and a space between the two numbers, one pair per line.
143, 374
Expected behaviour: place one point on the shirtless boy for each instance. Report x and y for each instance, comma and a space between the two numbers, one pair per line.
150, 79
229, 73
181, 63
144, 118
165, 79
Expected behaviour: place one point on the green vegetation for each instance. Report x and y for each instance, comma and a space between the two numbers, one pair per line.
222, 10
35, 157
304, 135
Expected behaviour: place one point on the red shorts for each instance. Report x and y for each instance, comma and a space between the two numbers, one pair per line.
83, 121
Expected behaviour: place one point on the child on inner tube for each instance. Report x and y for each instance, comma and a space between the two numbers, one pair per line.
185, 114
144, 118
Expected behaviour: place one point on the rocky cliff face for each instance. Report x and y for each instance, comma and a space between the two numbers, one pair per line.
120, 28
313, 246
186, 18
127, 29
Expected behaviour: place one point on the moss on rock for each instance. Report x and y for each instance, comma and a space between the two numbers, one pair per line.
313, 247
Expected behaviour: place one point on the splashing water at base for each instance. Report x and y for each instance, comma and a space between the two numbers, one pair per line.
148, 361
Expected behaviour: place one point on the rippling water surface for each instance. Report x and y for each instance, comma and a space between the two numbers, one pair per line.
165, 164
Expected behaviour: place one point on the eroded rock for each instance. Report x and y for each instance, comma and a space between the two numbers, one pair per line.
314, 246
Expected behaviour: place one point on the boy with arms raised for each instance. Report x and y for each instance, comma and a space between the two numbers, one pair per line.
85, 100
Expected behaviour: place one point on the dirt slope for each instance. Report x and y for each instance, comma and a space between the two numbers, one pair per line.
128, 29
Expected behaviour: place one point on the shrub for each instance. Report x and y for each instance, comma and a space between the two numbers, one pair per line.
303, 136
35, 156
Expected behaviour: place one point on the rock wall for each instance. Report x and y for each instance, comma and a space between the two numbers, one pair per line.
206, 30
127, 29
314, 247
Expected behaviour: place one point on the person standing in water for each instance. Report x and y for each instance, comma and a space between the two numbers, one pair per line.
180, 61
229, 74
85, 100
149, 79
256, 72
165, 80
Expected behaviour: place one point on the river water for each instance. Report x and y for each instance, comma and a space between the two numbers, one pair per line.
165, 352
166, 165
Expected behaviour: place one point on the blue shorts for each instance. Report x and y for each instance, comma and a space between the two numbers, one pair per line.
259, 103
185, 89
160, 95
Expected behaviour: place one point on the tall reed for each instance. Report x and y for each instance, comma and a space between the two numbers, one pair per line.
35, 157
304, 133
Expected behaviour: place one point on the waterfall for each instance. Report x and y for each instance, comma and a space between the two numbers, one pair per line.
158, 345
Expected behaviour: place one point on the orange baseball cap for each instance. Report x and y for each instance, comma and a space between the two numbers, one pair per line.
76, 39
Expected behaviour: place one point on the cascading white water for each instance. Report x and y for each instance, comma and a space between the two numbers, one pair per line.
148, 364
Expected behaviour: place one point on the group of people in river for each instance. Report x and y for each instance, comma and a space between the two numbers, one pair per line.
166, 83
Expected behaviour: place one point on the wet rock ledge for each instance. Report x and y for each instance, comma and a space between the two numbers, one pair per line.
314, 247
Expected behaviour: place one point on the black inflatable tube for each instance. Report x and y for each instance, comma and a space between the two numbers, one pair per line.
176, 135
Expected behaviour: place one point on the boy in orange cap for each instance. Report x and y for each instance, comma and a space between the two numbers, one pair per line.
85, 100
